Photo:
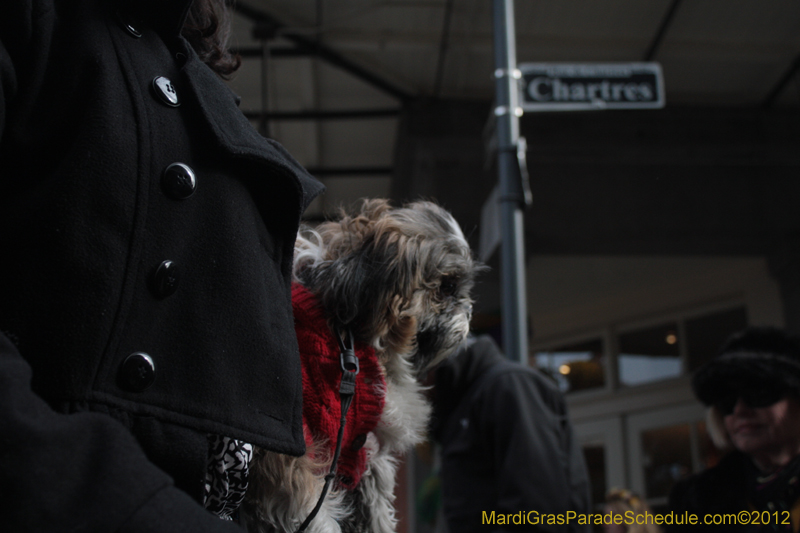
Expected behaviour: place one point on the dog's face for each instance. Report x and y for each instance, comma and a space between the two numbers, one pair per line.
398, 278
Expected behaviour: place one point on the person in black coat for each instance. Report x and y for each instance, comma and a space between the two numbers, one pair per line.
507, 446
752, 389
146, 239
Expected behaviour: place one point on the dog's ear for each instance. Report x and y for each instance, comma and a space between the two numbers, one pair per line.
370, 281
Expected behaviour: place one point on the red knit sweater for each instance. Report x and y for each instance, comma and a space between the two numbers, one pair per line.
319, 353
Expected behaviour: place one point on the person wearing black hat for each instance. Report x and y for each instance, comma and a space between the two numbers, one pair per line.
752, 389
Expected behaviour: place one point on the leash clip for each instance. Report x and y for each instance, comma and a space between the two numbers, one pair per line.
347, 354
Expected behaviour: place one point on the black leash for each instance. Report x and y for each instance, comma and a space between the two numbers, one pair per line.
347, 389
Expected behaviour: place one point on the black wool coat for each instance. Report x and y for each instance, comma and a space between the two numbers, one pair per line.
146, 237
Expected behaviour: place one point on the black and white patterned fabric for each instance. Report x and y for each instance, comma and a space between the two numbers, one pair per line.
226, 475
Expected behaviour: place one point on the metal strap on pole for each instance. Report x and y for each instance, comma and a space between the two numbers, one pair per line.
507, 113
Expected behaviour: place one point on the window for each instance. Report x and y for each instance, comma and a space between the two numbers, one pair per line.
574, 367
649, 354
675, 347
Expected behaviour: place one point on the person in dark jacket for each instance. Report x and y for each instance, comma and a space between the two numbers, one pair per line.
146, 239
752, 389
507, 446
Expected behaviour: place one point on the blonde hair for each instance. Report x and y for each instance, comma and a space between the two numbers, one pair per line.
715, 425
620, 501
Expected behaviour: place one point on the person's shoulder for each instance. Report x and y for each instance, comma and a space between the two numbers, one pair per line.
505, 370
523, 381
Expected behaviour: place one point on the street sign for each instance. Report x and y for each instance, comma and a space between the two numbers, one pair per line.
590, 86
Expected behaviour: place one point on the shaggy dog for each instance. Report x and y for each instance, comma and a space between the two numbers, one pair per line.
397, 282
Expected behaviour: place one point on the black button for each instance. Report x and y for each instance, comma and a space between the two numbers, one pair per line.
164, 280
358, 441
178, 181
166, 91
137, 372
130, 23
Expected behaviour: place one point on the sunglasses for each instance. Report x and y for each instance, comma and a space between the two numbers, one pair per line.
754, 398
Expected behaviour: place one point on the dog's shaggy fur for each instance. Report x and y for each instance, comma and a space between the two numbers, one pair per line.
400, 280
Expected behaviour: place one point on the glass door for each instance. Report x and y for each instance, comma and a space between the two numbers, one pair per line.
666, 446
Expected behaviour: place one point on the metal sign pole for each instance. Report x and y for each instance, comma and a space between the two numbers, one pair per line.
507, 112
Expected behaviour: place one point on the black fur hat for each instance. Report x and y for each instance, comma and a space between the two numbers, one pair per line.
762, 357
